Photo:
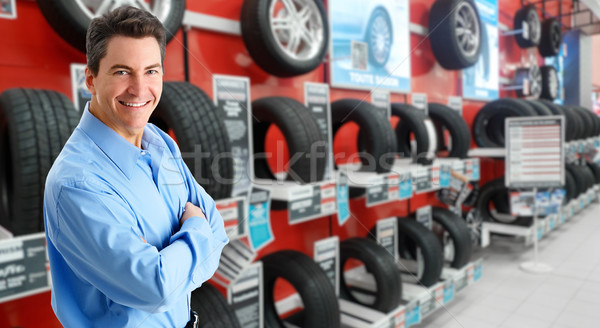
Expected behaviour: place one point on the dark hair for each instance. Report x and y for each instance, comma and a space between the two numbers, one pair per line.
124, 21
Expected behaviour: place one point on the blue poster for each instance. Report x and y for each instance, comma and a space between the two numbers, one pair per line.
259, 224
481, 81
370, 44
558, 63
343, 194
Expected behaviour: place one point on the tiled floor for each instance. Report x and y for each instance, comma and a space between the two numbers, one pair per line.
506, 296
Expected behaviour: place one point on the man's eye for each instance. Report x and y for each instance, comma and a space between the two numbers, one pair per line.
120, 73
152, 72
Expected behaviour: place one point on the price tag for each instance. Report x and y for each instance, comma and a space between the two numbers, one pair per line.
398, 319
246, 297
406, 184
419, 100
456, 104
448, 291
312, 202
445, 175
477, 270
436, 300
234, 212
413, 313
327, 257
381, 100
423, 216
383, 189
421, 178
387, 235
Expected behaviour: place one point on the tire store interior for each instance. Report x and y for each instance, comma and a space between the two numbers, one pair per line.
377, 163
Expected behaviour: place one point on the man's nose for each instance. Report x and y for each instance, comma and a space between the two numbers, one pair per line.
136, 85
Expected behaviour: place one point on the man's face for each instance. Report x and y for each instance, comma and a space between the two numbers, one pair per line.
128, 85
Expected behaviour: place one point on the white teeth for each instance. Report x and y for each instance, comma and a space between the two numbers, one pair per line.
133, 104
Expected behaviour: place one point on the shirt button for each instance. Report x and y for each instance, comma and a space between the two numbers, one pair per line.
143, 152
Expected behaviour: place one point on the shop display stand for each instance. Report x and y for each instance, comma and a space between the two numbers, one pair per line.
418, 301
535, 266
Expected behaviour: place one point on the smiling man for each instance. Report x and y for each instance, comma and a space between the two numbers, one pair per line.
130, 233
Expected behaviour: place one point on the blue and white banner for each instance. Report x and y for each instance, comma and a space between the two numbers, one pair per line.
481, 81
370, 44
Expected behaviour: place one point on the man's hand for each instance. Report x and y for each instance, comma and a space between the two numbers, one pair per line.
191, 210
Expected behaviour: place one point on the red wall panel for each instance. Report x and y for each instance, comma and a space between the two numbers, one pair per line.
34, 56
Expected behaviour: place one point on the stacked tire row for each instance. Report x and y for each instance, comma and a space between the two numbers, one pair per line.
488, 131
488, 126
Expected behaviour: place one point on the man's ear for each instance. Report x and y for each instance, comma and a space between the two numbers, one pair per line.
89, 81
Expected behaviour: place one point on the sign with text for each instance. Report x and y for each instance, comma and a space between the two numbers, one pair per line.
534, 152
387, 235
419, 100
316, 98
327, 256
232, 98
235, 258
23, 266
234, 213
456, 104
423, 216
383, 189
246, 297
381, 100
311, 202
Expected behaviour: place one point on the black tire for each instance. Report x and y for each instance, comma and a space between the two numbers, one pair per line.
212, 308
570, 187
496, 193
472, 197
591, 119
551, 38
540, 108
379, 57
580, 184
529, 14
412, 120
321, 309
381, 265
454, 234
413, 235
34, 126
70, 22
446, 42
570, 128
579, 125
587, 127
376, 132
190, 114
549, 82
266, 50
596, 170
301, 132
492, 135
446, 118
589, 176
534, 77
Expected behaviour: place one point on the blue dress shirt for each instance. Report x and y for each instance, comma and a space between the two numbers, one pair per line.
118, 257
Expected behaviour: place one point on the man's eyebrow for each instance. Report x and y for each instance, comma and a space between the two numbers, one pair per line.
120, 66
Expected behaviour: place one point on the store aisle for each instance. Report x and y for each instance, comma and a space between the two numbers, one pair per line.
511, 298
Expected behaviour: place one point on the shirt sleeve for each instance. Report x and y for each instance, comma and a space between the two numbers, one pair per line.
96, 237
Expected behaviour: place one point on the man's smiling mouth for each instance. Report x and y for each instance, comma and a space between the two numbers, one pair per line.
134, 104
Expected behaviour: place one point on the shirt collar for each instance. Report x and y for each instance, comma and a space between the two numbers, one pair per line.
119, 150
